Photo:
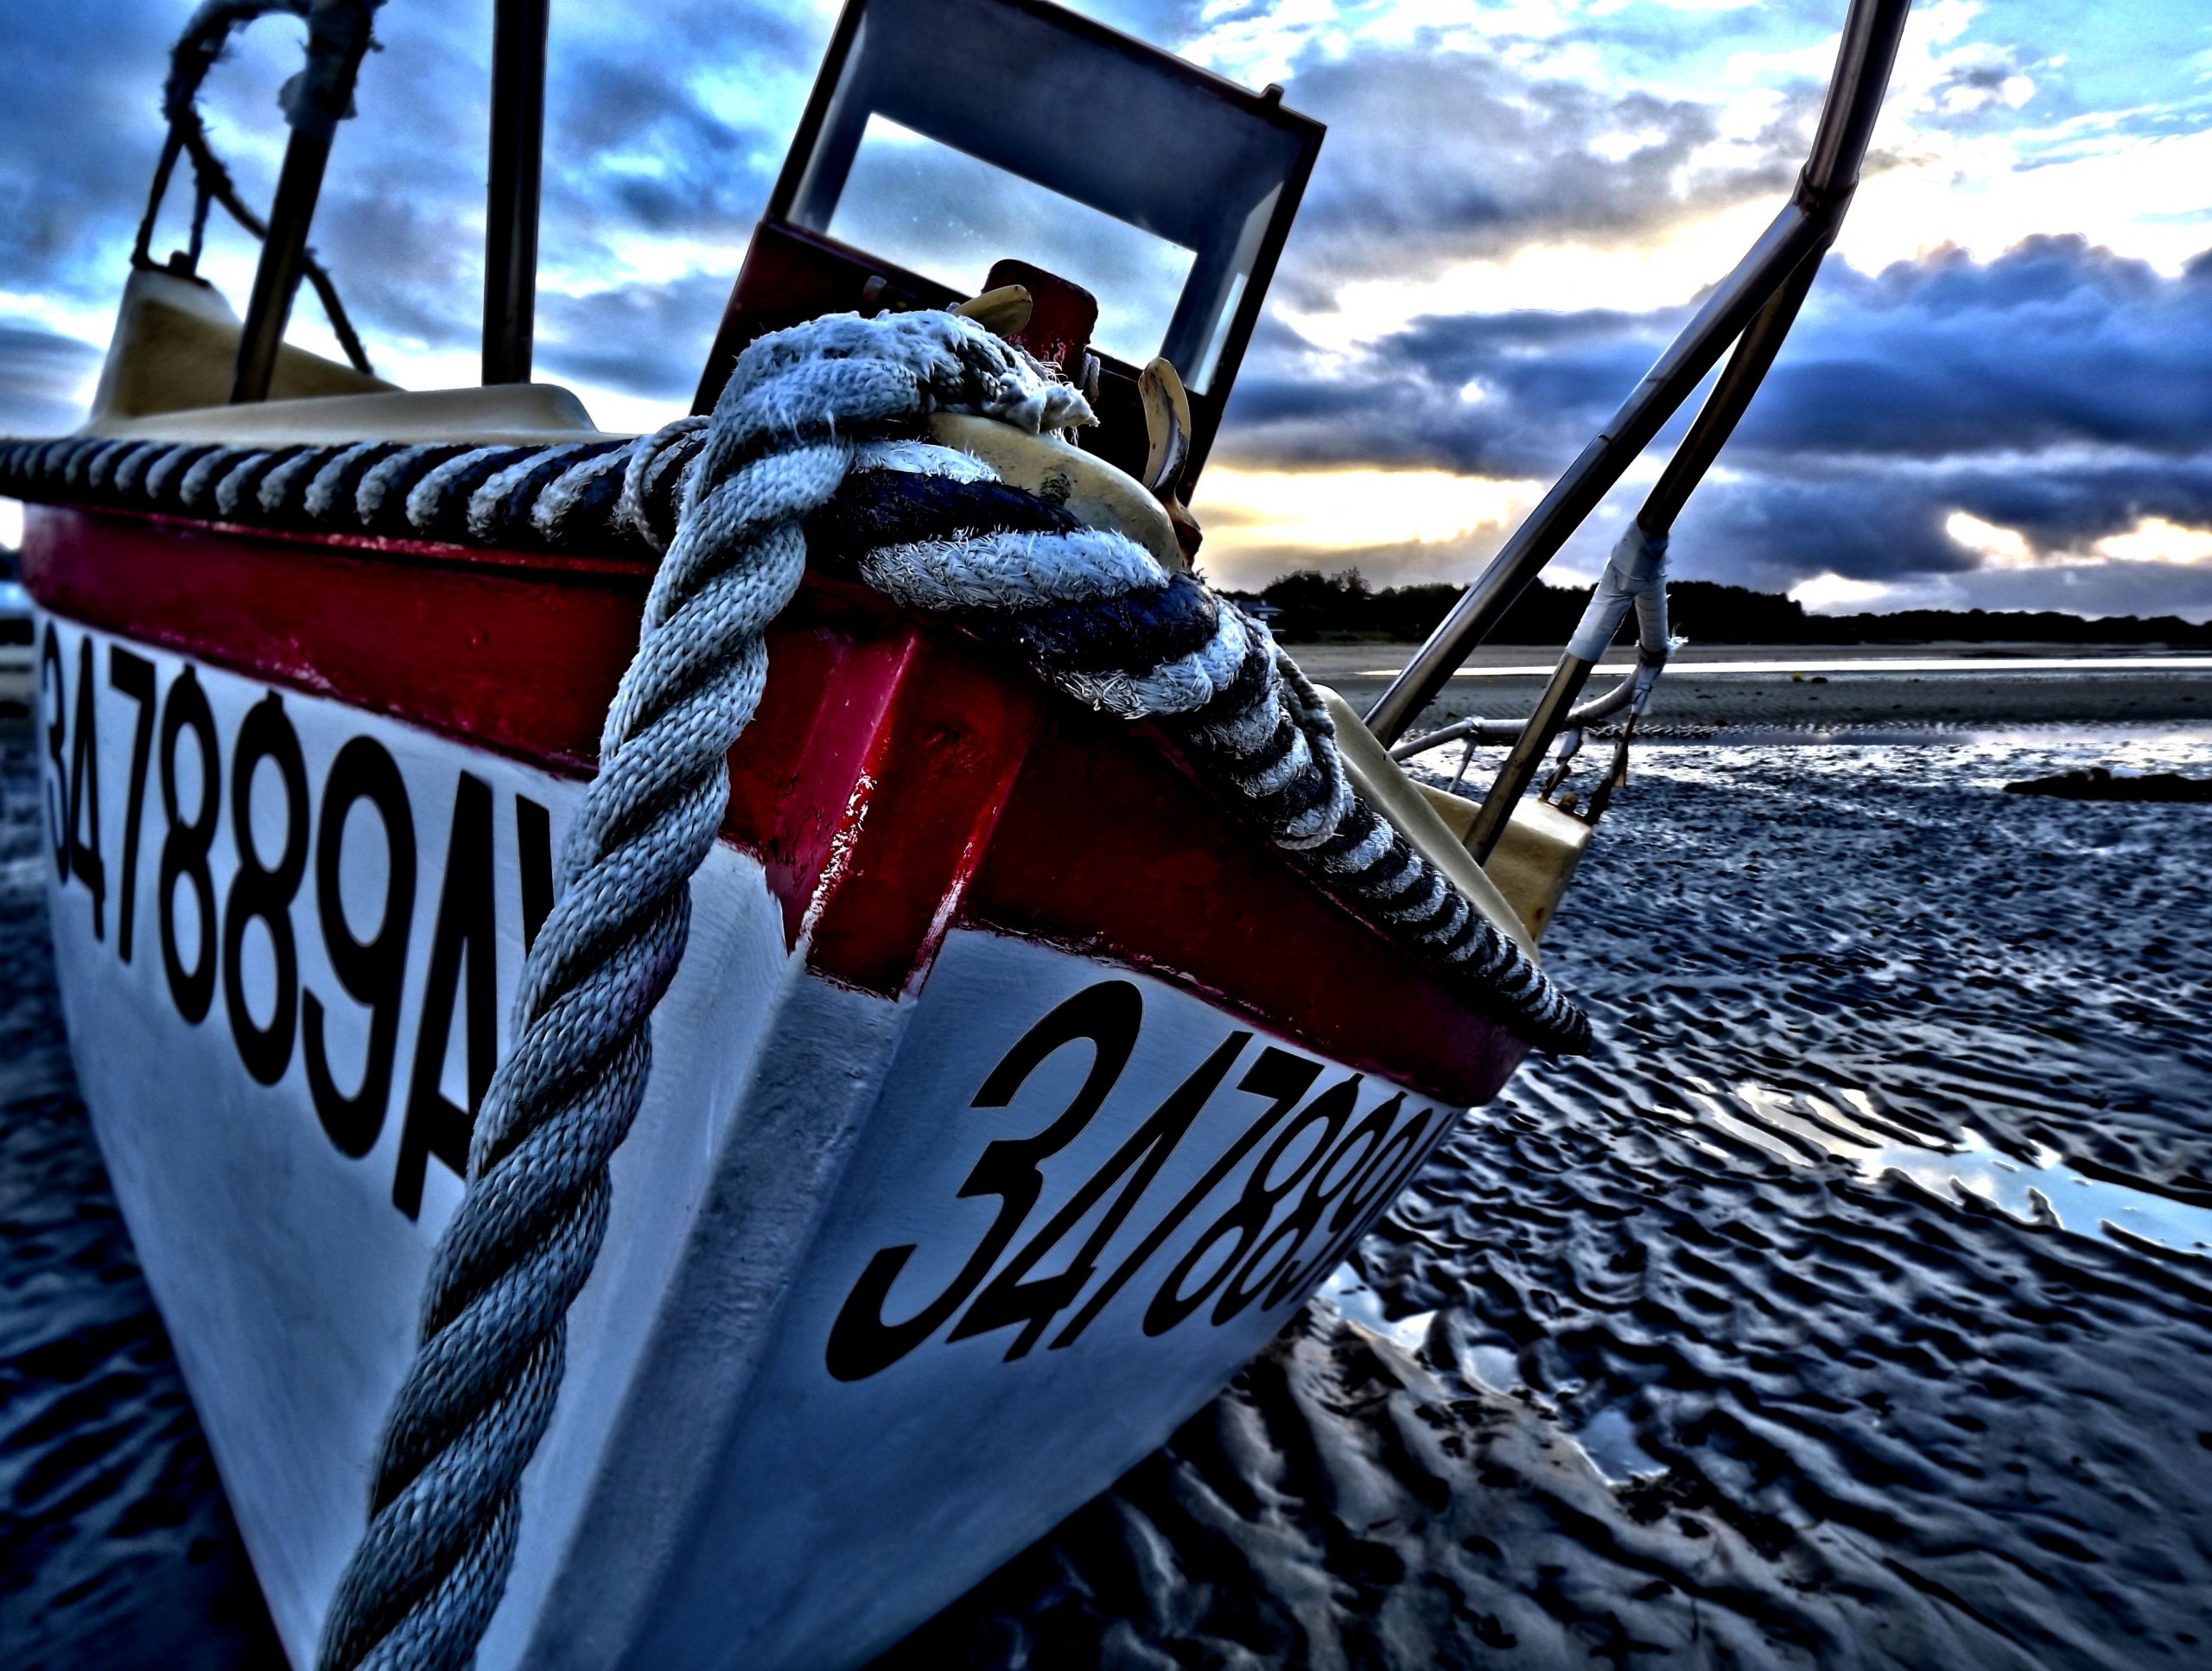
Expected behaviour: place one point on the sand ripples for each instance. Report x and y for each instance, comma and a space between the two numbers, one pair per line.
1849, 1306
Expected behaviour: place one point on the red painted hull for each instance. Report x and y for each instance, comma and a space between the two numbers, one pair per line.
897, 782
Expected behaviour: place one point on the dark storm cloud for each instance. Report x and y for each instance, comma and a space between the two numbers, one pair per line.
78, 97
633, 145
1879, 525
2059, 390
647, 339
1887, 527
1513, 394
2054, 344
1454, 155
42, 378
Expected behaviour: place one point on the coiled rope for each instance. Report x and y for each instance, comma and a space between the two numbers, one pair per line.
738, 501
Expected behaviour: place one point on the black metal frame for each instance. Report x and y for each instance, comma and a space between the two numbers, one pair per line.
1265, 105
511, 190
315, 101
1754, 308
339, 37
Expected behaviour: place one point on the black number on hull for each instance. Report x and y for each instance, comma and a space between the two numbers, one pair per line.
1249, 1215
1334, 1181
1280, 1076
55, 693
371, 971
1108, 1016
184, 850
465, 933
134, 676
1387, 1172
1012, 1296
263, 893
534, 857
1274, 1260
1246, 1217
85, 862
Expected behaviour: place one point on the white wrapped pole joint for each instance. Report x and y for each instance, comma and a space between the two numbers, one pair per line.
1636, 569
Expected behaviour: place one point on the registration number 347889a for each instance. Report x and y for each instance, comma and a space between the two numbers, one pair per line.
277, 885
325, 898
1289, 1171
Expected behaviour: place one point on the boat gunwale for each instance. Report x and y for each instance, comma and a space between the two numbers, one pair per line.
1464, 1071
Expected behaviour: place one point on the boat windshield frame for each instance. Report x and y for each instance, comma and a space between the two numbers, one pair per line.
1110, 123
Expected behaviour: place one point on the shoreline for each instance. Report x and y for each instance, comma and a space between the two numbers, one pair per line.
1799, 688
1762, 692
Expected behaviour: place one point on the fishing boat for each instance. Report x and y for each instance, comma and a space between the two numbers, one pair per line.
679, 1117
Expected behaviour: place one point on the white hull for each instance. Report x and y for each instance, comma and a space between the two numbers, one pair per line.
710, 1491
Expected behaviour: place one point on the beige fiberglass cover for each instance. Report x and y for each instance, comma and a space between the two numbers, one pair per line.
168, 377
1398, 799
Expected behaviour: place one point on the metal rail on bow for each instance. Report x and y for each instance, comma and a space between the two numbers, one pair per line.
1753, 308
339, 30
314, 101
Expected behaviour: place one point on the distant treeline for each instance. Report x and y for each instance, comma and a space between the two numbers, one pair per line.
1342, 608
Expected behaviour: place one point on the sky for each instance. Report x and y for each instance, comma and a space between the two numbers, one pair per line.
1999, 395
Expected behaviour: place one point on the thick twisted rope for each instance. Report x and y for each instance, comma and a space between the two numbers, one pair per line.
445, 1506
1097, 616
916, 508
745, 496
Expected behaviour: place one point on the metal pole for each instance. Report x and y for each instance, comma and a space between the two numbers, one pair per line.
1591, 476
315, 101
1804, 229
511, 196
1527, 755
1747, 368
1716, 421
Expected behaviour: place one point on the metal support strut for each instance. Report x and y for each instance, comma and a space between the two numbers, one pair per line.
510, 198
315, 101
1754, 308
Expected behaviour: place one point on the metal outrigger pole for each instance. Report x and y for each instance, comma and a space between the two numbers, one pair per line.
1753, 308
513, 188
315, 101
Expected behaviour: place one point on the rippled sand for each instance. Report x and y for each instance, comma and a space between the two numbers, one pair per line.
1701, 1375
1690, 1353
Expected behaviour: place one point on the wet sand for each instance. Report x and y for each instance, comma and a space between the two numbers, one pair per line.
1690, 1353
1712, 1362
1828, 688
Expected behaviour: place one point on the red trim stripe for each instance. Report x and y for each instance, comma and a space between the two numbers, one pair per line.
895, 780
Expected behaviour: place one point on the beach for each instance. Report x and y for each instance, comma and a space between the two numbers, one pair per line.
1822, 687
1851, 1304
